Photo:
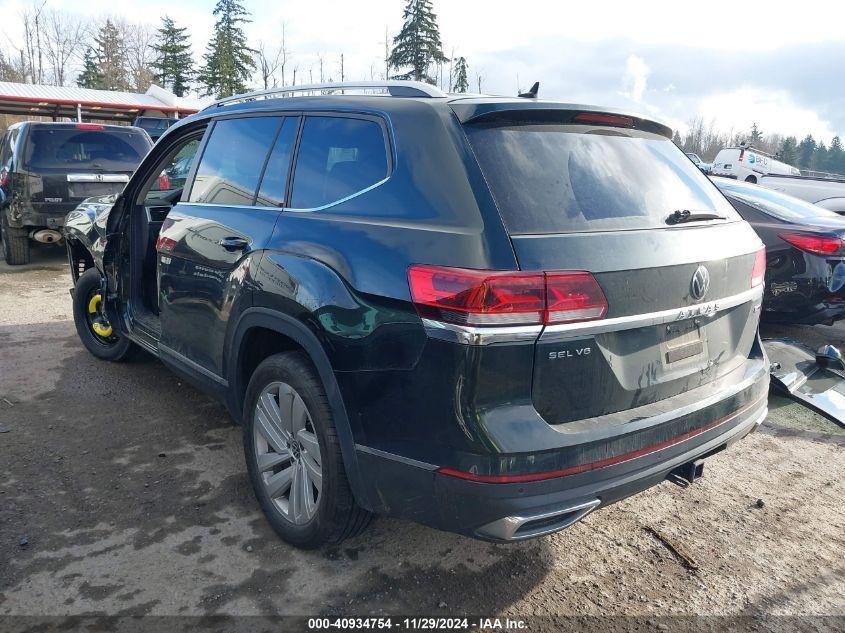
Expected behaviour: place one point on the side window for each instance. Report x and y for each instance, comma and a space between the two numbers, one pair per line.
272, 190
173, 172
4, 149
338, 156
231, 163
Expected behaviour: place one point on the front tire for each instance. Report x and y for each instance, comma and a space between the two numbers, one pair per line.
293, 455
15, 242
95, 332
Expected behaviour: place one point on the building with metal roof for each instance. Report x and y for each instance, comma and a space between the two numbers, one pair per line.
85, 104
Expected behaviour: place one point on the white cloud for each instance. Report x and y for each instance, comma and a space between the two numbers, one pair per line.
772, 111
635, 78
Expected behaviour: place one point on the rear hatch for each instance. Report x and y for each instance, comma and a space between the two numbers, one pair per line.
66, 164
592, 192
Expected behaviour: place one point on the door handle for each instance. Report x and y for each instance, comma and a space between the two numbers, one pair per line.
234, 243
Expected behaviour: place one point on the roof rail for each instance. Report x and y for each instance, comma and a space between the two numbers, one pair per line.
392, 87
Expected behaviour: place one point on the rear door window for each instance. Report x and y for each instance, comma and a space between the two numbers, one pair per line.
231, 163
337, 158
551, 178
84, 148
275, 179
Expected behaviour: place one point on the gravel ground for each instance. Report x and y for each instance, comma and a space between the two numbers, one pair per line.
122, 492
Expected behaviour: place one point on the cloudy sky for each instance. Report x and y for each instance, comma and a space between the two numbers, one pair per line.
779, 64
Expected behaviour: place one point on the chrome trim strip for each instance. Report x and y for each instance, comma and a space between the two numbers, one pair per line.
394, 457
505, 529
174, 355
469, 335
565, 331
97, 178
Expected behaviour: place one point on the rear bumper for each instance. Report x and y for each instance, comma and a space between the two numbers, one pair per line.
51, 216
526, 509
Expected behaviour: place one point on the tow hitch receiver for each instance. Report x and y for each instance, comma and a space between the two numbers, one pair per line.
686, 474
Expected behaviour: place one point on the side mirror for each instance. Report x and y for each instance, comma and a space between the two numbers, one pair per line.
829, 356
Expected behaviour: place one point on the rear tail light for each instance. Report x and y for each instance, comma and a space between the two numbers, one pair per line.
604, 119
163, 182
165, 243
483, 297
759, 270
741, 155
818, 244
89, 126
573, 297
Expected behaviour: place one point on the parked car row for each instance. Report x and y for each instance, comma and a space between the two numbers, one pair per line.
443, 307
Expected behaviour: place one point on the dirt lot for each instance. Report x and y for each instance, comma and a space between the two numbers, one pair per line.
122, 491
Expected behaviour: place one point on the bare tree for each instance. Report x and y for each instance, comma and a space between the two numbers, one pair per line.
267, 64
271, 61
31, 19
65, 36
138, 40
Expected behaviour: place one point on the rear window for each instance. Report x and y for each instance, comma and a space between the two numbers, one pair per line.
550, 178
154, 125
74, 148
338, 157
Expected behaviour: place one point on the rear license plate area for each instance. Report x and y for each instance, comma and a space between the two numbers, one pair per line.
683, 341
90, 189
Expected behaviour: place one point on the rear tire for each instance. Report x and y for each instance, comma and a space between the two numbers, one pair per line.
751, 179
94, 330
15, 242
301, 448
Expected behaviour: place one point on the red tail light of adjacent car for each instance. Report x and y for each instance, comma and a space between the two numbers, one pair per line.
817, 244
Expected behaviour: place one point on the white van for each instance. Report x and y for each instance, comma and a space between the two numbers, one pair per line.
749, 164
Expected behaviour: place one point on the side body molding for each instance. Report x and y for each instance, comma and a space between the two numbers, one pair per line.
299, 333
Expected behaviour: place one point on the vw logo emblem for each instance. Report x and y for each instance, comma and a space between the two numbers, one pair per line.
700, 283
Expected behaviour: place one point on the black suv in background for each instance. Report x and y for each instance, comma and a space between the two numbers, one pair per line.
47, 169
154, 126
488, 315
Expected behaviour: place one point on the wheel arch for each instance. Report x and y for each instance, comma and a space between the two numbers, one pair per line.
303, 339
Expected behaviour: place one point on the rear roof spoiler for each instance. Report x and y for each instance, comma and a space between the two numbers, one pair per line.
477, 110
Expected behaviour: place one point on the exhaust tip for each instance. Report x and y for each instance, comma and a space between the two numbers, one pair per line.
46, 236
516, 528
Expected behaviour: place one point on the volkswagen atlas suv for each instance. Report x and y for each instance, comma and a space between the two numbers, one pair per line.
488, 315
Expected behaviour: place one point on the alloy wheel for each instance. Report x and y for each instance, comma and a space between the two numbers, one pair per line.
287, 452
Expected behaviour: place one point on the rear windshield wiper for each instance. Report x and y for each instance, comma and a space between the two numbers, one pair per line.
685, 215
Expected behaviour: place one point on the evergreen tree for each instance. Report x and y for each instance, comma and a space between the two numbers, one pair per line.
789, 151
461, 81
90, 76
111, 57
819, 161
676, 139
806, 149
418, 44
174, 64
836, 156
756, 137
228, 60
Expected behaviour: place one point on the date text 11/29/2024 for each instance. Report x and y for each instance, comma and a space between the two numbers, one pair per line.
418, 624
